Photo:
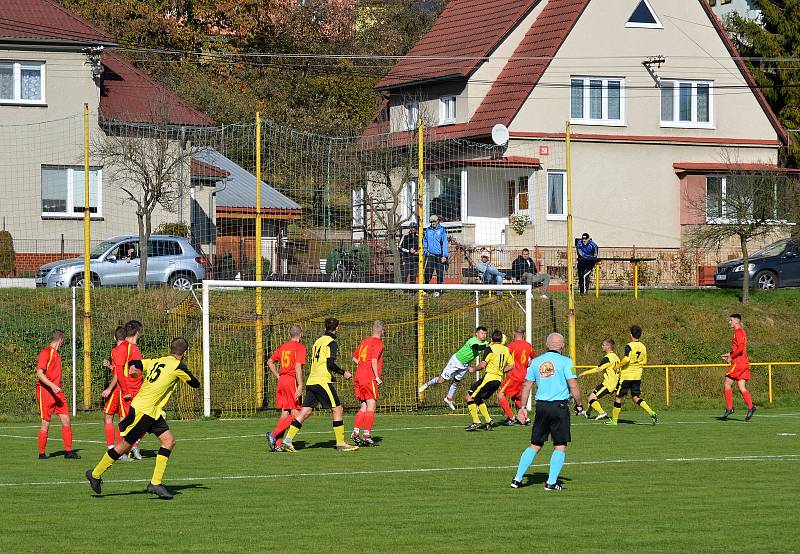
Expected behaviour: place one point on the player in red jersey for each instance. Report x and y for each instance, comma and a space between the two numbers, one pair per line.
291, 355
738, 370
49, 396
132, 377
113, 393
369, 357
511, 388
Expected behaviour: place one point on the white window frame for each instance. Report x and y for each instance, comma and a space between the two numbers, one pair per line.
522, 184
723, 191
409, 123
359, 207
70, 212
445, 102
676, 99
604, 120
427, 198
408, 201
548, 215
656, 25
16, 69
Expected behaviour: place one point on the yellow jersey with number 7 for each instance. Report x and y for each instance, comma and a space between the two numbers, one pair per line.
631, 363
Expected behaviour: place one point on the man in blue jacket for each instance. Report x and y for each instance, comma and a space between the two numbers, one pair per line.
587, 258
434, 244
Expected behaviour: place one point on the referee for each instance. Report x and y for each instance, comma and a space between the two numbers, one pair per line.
555, 382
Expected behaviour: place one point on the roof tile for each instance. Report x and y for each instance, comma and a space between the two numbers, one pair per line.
46, 20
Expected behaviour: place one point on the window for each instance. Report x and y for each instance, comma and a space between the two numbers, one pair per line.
410, 115
518, 196
159, 248
556, 195
408, 201
686, 104
63, 194
644, 16
753, 196
21, 82
448, 110
597, 101
358, 207
443, 195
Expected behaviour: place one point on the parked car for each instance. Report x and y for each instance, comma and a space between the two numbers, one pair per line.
776, 265
115, 262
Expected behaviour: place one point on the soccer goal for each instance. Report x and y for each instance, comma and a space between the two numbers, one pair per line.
243, 322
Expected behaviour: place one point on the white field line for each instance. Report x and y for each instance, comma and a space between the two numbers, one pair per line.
31, 438
754, 458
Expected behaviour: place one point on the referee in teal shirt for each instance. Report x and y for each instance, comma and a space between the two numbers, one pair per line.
555, 380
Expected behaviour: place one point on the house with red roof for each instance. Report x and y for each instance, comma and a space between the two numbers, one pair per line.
659, 104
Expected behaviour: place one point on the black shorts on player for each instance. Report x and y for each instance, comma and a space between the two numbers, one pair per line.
481, 391
600, 391
321, 395
634, 387
551, 420
133, 427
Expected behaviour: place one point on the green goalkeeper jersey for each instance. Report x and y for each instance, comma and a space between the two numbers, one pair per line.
471, 350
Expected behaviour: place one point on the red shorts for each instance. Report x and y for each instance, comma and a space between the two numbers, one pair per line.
367, 390
50, 403
116, 404
285, 398
739, 373
511, 388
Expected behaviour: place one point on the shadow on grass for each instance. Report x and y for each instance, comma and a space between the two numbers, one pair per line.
539, 478
174, 489
60, 453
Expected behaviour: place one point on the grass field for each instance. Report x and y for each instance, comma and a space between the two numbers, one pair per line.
690, 483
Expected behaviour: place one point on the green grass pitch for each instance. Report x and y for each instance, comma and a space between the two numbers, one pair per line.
689, 484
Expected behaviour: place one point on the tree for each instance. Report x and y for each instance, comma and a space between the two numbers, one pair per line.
149, 165
750, 205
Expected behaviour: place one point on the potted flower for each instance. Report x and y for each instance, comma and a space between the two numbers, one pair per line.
519, 222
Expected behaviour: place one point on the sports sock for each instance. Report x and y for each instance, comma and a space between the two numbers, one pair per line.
369, 419
728, 398
105, 462
66, 436
161, 465
556, 463
452, 390
117, 437
338, 431
615, 412
281, 426
109, 429
503, 401
42, 441
747, 399
485, 412
525, 461
643, 405
473, 412
518, 403
433, 381
597, 407
294, 428
359, 422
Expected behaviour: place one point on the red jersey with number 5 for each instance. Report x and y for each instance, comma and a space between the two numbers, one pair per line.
370, 349
522, 351
290, 353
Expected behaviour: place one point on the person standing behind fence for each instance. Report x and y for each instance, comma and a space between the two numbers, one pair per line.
524, 269
408, 255
434, 243
587, 259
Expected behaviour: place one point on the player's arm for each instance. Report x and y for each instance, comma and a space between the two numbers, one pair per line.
575, 391
375, 371
110, 387
600, 368
272, 367
331, 362
186, 376
47, 382
483, 363
626, 358
298, 373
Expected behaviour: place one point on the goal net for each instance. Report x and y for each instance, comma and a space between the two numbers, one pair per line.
425, 325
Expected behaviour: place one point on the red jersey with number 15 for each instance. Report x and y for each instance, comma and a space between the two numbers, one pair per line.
522, 351
290, 353
370, 349
50, 363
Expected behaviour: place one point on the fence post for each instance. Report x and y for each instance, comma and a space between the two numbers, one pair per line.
87, 275
769, 381
666, 383
420, 262
259, 361
571, 319
597, 280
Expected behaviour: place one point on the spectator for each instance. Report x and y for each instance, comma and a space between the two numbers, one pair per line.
587, 259
524, 269
408, 255
488, 273
434, 248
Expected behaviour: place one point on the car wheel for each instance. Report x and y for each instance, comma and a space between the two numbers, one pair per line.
766, 280
78, 281
181, 281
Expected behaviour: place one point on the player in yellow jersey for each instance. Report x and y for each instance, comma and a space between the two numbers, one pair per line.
496, 360
146, 415
609, 367
320, 390
630, 377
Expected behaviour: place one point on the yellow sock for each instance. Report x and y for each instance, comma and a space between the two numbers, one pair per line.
338, 430
615, 413
158, 471
105, 462
291, 432
485, 412
473, 413
643, 405
597, 407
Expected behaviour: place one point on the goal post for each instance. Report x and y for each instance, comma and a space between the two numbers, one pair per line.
229, 331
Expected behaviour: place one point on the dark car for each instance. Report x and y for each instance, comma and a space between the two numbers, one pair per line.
776, 265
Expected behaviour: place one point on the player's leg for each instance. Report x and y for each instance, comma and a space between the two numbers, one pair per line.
727, 390
751, 408
167, 441
369, 418
360, 419
486, 392
42, 437
504, 404
615, 411
594, 402
337, 414
66, 436
108, 421
297, 422
472, 407
133, 428
275, 437
636, 395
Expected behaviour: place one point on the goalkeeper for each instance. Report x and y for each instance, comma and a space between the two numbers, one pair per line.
609, 367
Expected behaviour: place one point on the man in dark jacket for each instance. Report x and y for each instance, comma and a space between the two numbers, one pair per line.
524, 269
408, 255
587, 258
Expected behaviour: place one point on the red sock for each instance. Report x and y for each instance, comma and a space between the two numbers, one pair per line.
117, 437
747, 399
368, 419
110, 433
518, 403
503, 401
42, 441
282, 425
66, 435
729, 399
359, 421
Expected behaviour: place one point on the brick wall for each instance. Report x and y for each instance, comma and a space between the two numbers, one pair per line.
28, 262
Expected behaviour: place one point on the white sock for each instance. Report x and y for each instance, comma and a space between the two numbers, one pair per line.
452, 390
433, 381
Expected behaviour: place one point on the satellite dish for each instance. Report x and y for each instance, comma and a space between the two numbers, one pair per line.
500, 134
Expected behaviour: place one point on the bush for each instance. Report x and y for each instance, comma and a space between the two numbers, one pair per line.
224, 267
361, 255
8, 257
249, 269
178, 228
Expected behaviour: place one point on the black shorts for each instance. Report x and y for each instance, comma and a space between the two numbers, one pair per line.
551, 420
482, 389
600, 391
133, 426
635, 388
322, 395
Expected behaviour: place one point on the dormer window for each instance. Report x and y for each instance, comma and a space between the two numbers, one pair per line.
644, 16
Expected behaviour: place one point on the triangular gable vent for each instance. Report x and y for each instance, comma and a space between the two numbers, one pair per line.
644, 16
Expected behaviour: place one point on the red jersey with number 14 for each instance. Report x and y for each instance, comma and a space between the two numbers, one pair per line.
290, 353
522, 352
370, 349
